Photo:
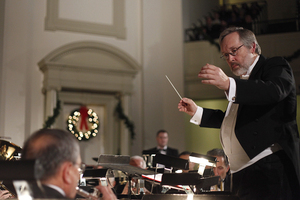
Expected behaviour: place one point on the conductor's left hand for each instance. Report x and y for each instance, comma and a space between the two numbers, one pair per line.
213, 75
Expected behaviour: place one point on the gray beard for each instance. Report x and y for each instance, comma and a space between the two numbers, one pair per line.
240, 71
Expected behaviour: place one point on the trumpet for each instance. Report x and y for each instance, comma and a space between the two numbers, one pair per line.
87, 195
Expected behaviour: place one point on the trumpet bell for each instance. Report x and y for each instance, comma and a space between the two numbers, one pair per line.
9, 150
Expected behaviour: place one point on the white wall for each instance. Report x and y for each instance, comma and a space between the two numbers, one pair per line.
163, 55
154, 40
2, 12
25, 44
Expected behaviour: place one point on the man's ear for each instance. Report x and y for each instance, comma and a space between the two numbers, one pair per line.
228, 167
67, 172
253, 47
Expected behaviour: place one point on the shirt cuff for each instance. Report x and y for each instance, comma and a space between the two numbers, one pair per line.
196, 119
232, 90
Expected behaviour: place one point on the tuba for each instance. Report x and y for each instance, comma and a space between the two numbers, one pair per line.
9, 152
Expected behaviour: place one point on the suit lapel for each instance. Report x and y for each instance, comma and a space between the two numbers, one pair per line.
256, 68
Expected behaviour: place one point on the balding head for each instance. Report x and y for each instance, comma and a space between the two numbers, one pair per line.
137, 161
51, 147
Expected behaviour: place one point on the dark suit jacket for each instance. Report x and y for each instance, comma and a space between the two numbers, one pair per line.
267, 110
170, 151
45, 192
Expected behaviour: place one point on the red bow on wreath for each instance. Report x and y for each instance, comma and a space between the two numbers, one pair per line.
84, 115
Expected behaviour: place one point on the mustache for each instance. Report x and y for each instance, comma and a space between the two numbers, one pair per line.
234, 63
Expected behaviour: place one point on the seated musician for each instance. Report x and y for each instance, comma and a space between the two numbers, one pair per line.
186, 155
139, 162
58, 154
222, 169
162, 138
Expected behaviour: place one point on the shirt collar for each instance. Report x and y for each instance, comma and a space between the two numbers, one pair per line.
165, 148
250, 68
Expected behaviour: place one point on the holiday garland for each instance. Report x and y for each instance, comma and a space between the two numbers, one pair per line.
129, 124
50, 121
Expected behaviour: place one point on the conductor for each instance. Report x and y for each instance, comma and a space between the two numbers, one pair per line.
258, 131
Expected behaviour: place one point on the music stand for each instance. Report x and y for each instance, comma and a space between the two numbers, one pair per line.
171, 161
186, 180
121, 163
91, 176
190, 179
94, 173
203, 161
17, 170
20, 172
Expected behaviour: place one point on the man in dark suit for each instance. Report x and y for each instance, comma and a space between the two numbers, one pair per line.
259, 133
162, 139
58, 154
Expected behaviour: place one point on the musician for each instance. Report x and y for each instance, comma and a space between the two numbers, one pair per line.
222, 168
58, 154
186, 155
136, 161
162, 138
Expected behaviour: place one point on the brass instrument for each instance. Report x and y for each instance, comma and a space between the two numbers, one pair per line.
95, 194
9, 152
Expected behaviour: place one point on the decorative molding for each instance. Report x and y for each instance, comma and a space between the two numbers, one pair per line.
117, 29
89, 66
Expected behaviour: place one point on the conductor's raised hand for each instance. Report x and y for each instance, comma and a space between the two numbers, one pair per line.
188, 106
213, 75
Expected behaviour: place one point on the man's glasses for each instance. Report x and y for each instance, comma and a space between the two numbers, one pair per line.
81, 167
234, 52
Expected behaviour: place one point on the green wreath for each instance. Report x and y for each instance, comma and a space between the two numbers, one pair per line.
73, 120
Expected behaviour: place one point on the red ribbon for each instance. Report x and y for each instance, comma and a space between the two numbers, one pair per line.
84, 115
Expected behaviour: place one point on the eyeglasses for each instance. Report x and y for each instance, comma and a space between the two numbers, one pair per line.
234, 52
81, 167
